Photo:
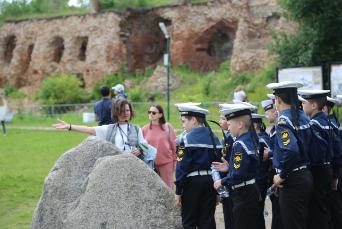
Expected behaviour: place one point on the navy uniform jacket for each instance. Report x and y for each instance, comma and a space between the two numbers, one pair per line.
322, 151
195, 152
337, 145
291, 147
272, 141
227, 146
264, 141
243, 163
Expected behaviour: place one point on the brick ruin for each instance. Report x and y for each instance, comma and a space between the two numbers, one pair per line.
93, 45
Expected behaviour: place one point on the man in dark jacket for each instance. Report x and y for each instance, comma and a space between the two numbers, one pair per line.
103, 107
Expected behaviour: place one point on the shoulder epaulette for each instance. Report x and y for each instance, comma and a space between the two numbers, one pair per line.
282, 121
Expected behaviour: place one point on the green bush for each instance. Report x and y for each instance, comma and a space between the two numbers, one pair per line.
13, 92
62, 89
136, 94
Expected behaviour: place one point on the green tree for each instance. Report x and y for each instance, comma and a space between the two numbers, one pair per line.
319, 35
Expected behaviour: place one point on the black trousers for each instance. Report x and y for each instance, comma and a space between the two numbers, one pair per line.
294, 199
245, 206
199, 203
227, 206
319, 213
263, 186
335, 204
276, 217
3, 127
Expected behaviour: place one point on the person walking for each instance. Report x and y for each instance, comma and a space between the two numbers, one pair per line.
162, 136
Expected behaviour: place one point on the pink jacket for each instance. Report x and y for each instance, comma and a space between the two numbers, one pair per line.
163, 140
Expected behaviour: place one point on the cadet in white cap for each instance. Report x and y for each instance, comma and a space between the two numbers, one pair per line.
336, 195
119, 91
227, 142
263, 177
272, 116
242, 167
290, 156
324, 157
197, 149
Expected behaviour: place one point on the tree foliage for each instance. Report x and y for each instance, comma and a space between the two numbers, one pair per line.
20, 8
319, 35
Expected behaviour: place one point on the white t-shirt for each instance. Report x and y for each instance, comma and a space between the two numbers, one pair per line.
240, 95
120, 137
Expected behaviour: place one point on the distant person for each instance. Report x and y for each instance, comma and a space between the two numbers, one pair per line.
102, 108
161, 135
119, 91
3, 111
240, 95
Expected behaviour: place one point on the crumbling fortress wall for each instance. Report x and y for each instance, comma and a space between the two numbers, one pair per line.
93, 45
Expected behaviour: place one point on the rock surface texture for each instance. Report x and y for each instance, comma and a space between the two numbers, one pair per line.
95, 186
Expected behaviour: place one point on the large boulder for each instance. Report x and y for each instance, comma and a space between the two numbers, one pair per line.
95, 186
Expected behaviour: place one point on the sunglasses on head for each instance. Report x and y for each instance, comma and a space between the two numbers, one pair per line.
152, 112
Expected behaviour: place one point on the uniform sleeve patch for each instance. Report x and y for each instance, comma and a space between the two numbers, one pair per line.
180, 154
237, 160
285, 137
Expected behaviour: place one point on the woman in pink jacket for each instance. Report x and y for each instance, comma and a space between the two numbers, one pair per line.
162, 136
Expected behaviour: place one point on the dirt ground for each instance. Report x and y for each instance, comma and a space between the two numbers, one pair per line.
267, 213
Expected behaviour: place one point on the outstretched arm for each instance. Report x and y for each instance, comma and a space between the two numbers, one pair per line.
61, 125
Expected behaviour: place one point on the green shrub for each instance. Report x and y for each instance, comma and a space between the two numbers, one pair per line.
136, 94
13, 92
62, 89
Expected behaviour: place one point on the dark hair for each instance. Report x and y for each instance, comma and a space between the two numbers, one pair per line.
105, 91
321, 102
285, 98
118, 107
200, 120
162, 118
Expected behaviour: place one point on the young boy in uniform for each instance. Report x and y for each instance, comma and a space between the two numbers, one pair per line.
272, 116
324, 160
290, 156
242, 167
198, 148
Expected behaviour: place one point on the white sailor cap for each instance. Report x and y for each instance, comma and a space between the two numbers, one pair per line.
284, 87
332, 102
267, 104
191, 110
271, 96
300, 98
255, 108
257, 117
235, 110
313, 94
188, 103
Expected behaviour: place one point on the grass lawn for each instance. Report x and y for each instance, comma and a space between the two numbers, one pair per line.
25, 159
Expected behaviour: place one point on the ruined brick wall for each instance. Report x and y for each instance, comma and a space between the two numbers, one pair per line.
91, 46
